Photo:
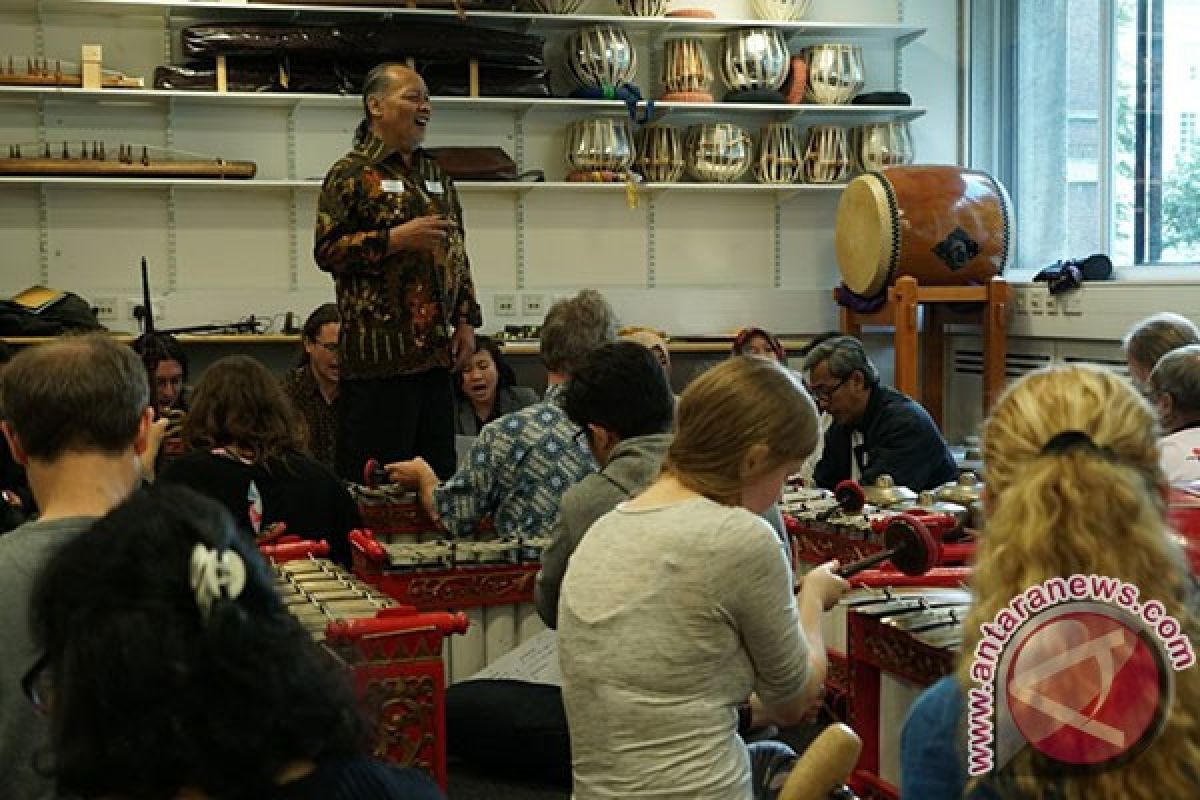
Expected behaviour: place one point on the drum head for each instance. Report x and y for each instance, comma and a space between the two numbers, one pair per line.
864, 235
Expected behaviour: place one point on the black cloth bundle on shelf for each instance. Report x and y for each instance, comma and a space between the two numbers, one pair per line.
466, 5
882, 99
338, 76
426, 41
270, 74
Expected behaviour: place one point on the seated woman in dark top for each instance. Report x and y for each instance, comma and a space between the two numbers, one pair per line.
487, 389
246, 451
167, 372
170, 669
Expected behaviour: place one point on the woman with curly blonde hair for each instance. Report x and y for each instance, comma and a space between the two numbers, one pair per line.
1073, 488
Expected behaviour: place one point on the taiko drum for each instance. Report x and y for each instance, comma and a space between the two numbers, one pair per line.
943, 225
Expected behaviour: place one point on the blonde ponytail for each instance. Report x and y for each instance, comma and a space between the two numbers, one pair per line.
1090, 507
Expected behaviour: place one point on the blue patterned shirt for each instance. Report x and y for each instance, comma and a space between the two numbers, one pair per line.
517, 471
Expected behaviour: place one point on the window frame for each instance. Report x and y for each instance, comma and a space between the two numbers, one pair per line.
993, 37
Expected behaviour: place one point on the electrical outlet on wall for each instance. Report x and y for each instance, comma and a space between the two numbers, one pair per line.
505, 305
157, 304
106, 308
533, 305
1037, 302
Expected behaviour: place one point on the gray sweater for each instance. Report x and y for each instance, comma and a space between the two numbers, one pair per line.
633, 465
23, 732
670, 616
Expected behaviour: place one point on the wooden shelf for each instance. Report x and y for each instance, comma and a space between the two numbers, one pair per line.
511, 348
524, 105
784, 191
184, 338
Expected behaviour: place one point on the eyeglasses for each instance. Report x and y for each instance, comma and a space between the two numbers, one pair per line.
823, 394
583, 438
38, 685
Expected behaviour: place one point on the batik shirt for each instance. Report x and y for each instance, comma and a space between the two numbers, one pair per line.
517, 472
320, 417
396, 309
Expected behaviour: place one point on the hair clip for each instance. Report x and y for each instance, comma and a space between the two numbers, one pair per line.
1066, 441
216, 574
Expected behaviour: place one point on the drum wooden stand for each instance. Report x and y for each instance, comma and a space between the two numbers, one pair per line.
900, 312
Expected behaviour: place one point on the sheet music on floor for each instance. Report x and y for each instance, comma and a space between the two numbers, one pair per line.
535, 661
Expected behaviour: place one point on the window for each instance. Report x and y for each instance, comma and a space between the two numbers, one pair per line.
1101, 103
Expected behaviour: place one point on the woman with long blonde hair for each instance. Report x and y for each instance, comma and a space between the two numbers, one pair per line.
679, 604
1073, 488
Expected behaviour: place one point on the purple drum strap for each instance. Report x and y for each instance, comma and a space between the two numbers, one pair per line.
857, 302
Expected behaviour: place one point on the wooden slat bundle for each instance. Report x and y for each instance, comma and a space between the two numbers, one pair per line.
38, 72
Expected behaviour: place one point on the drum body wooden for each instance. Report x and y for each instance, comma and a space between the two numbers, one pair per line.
827, 155
781, 10
754, 59
551, 6
943, 225
687, 75
718, 152
660, 153
778, 154
835, 73
643, 8
881, 144
600, 143
600, 56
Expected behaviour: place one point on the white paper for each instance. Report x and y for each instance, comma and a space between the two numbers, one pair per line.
396, 187
534, 661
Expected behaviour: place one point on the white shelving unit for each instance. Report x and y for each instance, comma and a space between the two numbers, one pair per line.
513, 187
848, 114
295, 136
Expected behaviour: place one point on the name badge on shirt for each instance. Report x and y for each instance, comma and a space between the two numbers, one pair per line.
434, 187
396, 187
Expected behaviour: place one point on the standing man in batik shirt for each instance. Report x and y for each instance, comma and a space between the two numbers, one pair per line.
389, 230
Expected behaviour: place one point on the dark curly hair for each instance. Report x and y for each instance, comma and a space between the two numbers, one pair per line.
238, 403
622, 387
155, 348
148, 696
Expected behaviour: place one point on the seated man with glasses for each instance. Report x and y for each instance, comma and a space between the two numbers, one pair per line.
876, 430
313, 385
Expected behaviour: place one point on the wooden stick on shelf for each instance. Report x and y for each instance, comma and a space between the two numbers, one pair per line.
38, 72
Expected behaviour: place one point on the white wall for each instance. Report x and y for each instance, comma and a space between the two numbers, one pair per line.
248, 251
